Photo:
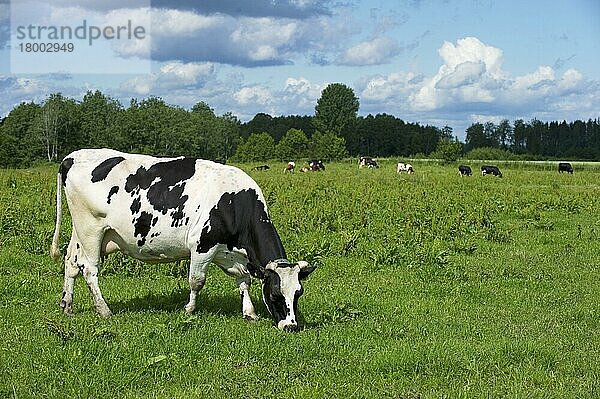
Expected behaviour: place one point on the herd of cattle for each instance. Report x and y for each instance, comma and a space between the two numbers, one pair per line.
368, 162
169, 209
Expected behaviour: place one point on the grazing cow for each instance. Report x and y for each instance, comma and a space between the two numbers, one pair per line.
289, 167
261, 167
464, 170
168, 209
316, 165
565, 167
405, 167
490, 170
367, 162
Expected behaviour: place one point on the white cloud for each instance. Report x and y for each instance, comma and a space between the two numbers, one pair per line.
172, 76
254, 95
371, 52
241, 40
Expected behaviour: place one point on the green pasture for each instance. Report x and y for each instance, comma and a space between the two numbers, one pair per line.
428, 286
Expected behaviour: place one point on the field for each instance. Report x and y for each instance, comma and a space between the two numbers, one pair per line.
428, 286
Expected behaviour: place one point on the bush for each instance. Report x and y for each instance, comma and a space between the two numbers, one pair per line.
258, 147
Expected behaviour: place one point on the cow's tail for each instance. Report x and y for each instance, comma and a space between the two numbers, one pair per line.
54, 251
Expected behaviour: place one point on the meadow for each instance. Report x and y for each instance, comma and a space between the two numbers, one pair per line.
428, 286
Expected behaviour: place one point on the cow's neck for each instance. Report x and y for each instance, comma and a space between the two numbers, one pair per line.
263, 244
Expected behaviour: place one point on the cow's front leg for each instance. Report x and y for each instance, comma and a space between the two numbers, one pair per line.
247, 307
197, 278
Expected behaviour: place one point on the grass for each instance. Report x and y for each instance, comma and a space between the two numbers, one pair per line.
428, 286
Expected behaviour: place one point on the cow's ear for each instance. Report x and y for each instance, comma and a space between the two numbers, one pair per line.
255, 271
305, 270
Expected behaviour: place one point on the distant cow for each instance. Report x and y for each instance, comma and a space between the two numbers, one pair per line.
316, 165
289, 167
464, 170
565, 167
490, 170
405, 167
261, 167
169, 209
367, 162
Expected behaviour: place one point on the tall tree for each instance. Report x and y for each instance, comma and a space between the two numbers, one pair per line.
475, 137
336, 110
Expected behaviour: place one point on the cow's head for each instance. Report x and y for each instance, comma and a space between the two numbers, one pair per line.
281, 288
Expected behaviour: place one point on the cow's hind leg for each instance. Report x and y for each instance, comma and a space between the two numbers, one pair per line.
198, 266
71, 271
88, 261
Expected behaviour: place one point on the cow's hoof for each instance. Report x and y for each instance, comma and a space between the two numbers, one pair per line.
66, 307
250, 317
189, 310
105, 313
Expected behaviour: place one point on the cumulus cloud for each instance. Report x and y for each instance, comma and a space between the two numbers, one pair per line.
297, 96
244, 41
371, 52
472, 85
172, 76
16, 90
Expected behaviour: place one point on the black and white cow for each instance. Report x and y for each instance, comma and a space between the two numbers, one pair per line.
316, 165
289, 167
464, 170
367, 162
261, 167
565, 167
404, 167
168, 209
490, 170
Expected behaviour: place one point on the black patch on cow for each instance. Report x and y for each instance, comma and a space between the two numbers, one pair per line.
154, 221
274, 299
77, 245
135, 205
142, 227
113, 191
240, 220
63, 169
101, 171
165, 182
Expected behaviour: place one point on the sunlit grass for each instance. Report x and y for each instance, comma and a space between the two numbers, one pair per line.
428, 286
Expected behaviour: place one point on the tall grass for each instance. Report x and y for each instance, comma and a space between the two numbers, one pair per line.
428, 286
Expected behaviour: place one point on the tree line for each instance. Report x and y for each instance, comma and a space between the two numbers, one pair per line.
36, 133
537, 139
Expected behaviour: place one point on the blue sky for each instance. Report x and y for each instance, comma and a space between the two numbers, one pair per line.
434, 62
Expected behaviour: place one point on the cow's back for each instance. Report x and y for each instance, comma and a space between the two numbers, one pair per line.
151, 208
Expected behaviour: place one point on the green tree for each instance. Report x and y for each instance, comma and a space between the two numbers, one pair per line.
327, 146
258, 147
99, 120
336, 110
448, 150
475, 137
58, 127
292, 146
19, 143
